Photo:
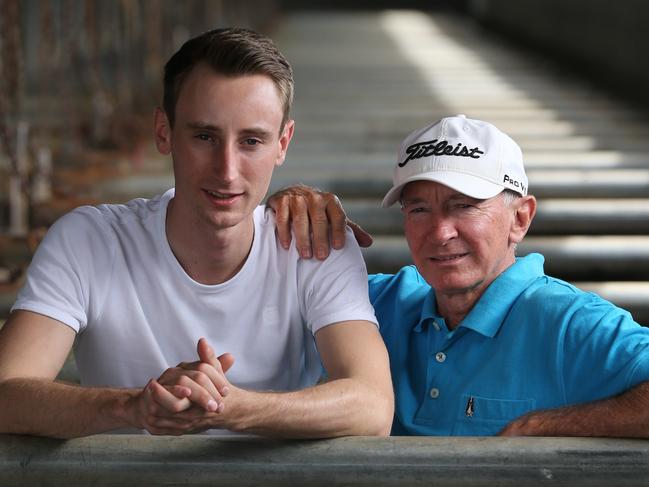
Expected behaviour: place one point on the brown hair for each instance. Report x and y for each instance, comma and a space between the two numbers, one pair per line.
231, 52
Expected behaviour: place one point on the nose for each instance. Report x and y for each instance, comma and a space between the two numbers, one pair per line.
227, 164
441, 229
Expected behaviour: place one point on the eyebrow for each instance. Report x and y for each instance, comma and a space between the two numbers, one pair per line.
412, 201
460, 196
202, 126
254, 131
257, 132
416, 199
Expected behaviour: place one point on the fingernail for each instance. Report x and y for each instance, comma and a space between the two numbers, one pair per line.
306, 253
338, 243
321, 254
212, 406
225, 391
220, 408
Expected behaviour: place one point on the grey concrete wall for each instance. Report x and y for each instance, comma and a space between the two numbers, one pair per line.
609, 41
398, 461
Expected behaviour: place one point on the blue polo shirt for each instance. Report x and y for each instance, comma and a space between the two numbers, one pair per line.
530, 342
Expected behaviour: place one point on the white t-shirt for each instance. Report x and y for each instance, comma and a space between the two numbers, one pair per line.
108, 272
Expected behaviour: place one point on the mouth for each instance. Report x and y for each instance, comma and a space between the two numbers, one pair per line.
222, 198
448, 258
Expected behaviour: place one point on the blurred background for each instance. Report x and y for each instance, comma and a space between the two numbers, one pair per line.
567, 79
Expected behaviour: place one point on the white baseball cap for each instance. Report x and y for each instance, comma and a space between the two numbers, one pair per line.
469, 156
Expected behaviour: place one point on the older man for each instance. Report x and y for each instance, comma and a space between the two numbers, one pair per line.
482, 342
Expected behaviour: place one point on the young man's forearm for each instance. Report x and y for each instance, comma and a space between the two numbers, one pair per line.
358, 399
341, 407
622, 416
54, 409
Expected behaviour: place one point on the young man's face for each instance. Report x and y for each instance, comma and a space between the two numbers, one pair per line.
225, 144
459, 244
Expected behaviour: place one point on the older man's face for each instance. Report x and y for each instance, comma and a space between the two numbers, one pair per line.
459, 244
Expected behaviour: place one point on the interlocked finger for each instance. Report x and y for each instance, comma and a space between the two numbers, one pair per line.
172, 399
203, 391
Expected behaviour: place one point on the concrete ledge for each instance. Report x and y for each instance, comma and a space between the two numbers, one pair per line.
544, 183
374, 180
572, 258
554, 217
619, 263
201, 460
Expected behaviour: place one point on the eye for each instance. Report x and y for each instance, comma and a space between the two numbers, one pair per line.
462, 204
413, 210
251, 142
203, 137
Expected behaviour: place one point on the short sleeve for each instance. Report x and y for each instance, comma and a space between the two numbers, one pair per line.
65, 277
335, 289
377, 283
605, 352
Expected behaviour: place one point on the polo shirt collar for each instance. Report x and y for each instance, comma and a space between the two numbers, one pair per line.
489, 313
428, 311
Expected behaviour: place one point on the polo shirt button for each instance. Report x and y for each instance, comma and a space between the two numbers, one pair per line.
440, 357
436, 326
434, 393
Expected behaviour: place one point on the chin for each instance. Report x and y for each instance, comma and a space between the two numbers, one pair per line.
449, 284
223, 219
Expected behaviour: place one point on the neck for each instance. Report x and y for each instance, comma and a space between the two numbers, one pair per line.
208, 255
455, 304
454, 307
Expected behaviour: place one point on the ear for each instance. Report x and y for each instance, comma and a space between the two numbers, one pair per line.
524, 210
284, 141
162, 131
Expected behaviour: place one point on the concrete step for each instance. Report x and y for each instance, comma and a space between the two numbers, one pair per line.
376, 136
609, 131
572, 258
302, 157
350, 181
553, 217
402, 106
599, 270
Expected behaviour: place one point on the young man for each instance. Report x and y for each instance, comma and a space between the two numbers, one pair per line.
482, 342
137, 285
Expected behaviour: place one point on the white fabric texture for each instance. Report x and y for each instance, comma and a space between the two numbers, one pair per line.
108, 272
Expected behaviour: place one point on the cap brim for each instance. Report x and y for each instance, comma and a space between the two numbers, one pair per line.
467, 184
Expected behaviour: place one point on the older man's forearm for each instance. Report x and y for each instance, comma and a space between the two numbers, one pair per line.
622, 416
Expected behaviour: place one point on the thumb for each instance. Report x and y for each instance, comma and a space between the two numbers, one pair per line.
227, 359
206, 352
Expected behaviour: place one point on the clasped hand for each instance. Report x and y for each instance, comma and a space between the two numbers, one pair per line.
188, 398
